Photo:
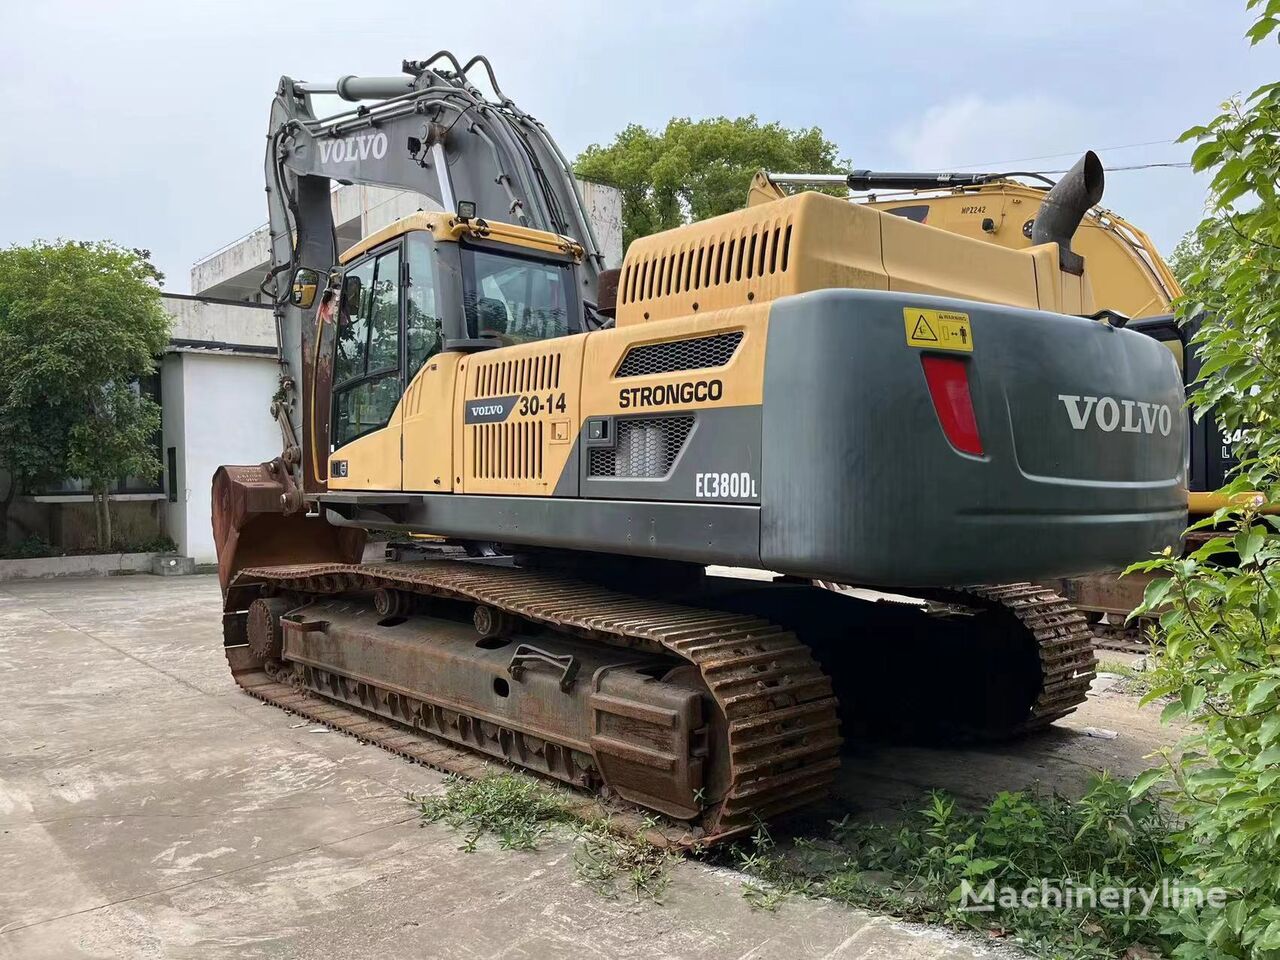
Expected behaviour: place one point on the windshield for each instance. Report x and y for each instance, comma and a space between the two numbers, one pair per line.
514, 299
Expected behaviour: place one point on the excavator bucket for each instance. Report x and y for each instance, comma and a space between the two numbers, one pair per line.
250, 527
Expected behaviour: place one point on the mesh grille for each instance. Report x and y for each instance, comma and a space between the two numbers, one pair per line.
644, 449
695, 353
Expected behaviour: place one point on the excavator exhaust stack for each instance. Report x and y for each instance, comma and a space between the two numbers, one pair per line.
1065, 206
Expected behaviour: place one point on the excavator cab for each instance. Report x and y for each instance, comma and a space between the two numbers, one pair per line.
430, 283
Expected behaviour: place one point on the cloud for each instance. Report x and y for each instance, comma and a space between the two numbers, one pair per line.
974, 131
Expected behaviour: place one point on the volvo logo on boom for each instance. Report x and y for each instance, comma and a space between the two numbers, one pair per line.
350, 149
1109, 414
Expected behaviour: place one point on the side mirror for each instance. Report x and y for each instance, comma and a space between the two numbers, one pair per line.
305, 284
351, 295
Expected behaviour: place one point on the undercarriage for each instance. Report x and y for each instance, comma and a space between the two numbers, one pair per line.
716, 711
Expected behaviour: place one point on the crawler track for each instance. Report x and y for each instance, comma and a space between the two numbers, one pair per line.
779, 713
1064, 644
1019, 616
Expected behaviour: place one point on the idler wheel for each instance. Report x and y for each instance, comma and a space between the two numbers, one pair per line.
266, 638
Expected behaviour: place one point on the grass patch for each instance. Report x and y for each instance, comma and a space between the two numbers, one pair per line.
517, 811
613, 863
1134, 682
916, 869
1119, 667
521, 813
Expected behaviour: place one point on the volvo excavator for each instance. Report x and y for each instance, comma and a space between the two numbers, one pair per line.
820, 390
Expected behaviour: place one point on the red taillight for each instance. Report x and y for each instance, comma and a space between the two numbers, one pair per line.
948, 379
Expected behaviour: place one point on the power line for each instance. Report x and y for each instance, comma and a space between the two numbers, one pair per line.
1134, 166
1055, 156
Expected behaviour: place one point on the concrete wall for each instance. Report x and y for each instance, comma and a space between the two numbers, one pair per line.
223, 417
214, 321
236, 265
235, 271
171, 435
69, 522
604, 210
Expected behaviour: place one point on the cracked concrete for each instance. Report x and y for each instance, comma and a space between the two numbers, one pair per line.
149, 809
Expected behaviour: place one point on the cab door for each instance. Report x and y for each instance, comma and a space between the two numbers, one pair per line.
368, 376
428, 399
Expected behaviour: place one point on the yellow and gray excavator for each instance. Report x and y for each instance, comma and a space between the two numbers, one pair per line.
821, 390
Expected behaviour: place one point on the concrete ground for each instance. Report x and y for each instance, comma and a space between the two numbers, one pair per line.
148, 808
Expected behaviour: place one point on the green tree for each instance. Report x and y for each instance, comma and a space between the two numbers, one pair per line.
696, 169
1220, 607
79, 323
1189, 258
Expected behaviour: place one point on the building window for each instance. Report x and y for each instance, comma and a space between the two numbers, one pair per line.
149, 386
171, 473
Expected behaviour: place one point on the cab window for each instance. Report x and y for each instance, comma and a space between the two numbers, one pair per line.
366, 369
422, 322
515, 299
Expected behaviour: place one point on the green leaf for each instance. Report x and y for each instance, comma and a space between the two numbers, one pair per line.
1216, 777
1260, 30
1260, 693
1269, 729
1248, 542
1236, 914
1155, 593
1205, 155
1270, 939
1267, 758
1192, 697
1144, 782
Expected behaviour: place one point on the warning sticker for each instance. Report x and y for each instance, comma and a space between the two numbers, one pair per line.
938, 329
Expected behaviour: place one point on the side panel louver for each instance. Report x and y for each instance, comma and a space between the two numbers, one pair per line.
747, 257
529, 374
523, 437
691, 353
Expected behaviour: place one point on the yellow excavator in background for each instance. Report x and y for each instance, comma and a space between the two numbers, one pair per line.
1127, 273
823, 390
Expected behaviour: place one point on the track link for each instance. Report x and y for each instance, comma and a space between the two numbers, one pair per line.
781, 718
1064, 645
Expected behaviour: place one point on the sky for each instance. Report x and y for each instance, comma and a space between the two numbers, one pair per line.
144, 122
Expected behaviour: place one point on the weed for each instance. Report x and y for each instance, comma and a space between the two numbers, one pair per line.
915, 868
517, 811
1120, 668
32, 546
1134, 682
520, 813
610, 862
